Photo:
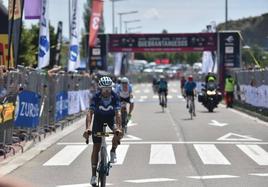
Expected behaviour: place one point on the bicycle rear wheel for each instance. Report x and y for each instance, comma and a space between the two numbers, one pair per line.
103, 168
124, 121
191, 110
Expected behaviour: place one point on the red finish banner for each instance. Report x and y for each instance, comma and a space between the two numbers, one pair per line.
95, 20
162, 42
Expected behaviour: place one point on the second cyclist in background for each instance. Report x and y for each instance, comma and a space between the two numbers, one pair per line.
162, 88
189, 91
124, 91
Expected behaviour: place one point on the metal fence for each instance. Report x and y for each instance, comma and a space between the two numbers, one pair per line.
47, 87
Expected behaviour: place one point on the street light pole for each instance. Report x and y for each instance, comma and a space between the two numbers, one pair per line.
120, 18
113, 20
226, 13
130, 21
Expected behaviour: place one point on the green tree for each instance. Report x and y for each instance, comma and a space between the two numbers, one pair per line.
29, 45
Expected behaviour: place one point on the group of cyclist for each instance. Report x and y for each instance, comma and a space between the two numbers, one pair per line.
105, 108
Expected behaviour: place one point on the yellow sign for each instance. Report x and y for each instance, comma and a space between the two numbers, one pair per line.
1, 110
4, 51
7, 112
17, 11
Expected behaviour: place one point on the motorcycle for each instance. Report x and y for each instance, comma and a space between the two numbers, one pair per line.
210, 96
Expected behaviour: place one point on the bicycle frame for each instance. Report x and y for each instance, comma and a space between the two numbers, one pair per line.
191, 106
162, 101
104, 166
124, 116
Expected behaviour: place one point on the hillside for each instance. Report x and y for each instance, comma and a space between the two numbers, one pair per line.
254, 29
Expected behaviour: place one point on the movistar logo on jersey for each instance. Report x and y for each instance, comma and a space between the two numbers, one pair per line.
108, 108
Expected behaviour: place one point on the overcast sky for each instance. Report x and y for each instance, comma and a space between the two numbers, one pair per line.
176, 16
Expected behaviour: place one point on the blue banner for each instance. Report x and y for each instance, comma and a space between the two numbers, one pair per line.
27, 109
61, 105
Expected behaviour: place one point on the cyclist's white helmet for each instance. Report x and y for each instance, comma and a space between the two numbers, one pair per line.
124, 80
105, 82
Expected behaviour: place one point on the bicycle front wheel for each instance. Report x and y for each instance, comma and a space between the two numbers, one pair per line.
102, 180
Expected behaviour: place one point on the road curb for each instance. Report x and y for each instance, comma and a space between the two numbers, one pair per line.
33, 149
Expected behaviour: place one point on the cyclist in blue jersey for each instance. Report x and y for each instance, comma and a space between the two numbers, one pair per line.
105, 107
162, 87
189, 90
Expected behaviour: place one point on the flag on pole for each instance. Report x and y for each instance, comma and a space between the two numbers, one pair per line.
32, 9
44, 44
15, 8
74, 57
95, 20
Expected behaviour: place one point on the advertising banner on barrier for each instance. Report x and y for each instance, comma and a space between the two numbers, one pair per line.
84, 99
7, 109
61, 105
255, 96
73, 102
27, 109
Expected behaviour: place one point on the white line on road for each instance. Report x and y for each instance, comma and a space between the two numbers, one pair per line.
237, 137
174, 90
256, 153
144, 97
137, 91
66, 156
213, 177
151, 180
216, 123
162, 154
81, 185
121, 153
259, 174
171, 142
155, 97
146, 91
180, 96
209, 154
169, 96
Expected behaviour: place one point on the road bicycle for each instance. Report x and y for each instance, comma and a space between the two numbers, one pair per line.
124, 116
104, 165
163, 101
191, 106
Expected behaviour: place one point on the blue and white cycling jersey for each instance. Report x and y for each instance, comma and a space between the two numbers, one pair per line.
105, 108
124, 93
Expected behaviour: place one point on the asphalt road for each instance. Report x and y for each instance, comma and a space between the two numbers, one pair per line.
223, 148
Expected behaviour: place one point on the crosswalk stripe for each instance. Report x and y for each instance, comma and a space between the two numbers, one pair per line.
66, 156
169, 96
209, 154
144, 97
162, 154
121, 153
155, 97
256, 153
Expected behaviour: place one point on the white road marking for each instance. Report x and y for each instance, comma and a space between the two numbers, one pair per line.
174, 90
213, 177
237, 137
259, 174
171, 142
131, 123
137, 91
144, 97
151, 180
66, 156
155, 97
146, 91
209, 154
121, 153
180, 96
80, 185
216, 123
126, 138
162, 154
256, 153
169, 96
